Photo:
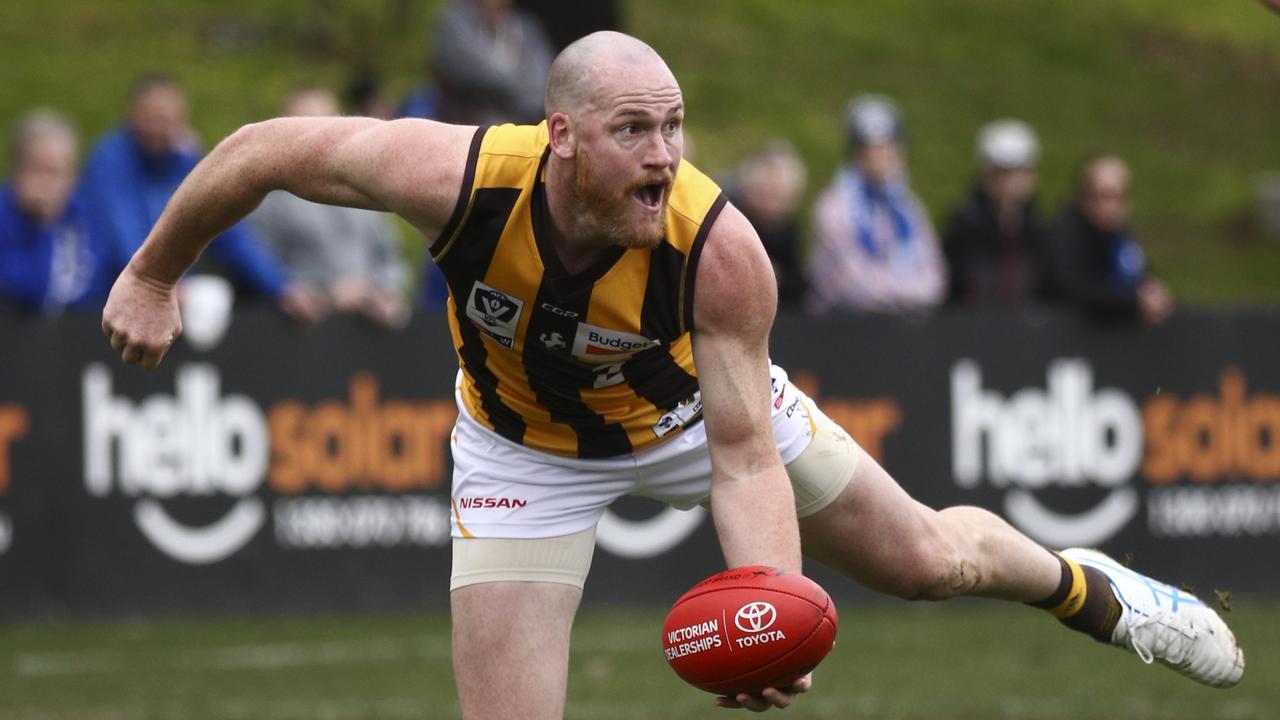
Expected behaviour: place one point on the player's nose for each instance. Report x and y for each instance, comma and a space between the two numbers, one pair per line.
656, 152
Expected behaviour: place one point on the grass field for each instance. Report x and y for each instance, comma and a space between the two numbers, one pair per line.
964, 661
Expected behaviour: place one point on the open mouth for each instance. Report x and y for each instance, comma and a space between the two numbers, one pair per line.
650, 196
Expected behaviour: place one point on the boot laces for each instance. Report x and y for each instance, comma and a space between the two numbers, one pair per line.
1162, 635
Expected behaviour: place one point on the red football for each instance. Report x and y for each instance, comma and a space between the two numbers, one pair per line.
749, 628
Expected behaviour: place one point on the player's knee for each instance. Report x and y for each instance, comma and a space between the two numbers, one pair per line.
938, 570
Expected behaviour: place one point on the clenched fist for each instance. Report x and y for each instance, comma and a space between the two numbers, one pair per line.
141, 318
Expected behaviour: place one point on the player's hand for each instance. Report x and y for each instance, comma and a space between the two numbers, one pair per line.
141, 318
770, 698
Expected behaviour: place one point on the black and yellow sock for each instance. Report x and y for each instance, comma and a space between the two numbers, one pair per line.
1083, 601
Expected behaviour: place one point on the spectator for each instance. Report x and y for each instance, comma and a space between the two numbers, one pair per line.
769, 186
491, 61
48, 259
134, 169
349, 257
873, 247
365, 96
994, 241
568, 20
1094, 261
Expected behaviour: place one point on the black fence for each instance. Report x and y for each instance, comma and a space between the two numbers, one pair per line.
301, 469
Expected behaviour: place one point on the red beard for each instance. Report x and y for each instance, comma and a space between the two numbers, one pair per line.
610, 215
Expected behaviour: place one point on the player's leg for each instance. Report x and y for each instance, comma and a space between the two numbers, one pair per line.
513, 603
877, 534
511, 649
523, 537
868, 527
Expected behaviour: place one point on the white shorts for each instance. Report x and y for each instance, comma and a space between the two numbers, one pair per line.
505, 490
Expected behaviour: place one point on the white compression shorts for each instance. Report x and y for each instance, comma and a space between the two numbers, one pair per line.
525, 515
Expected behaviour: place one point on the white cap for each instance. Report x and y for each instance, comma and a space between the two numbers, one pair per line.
1008, 144
871, 120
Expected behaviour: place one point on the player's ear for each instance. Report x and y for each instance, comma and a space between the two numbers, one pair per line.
562, 136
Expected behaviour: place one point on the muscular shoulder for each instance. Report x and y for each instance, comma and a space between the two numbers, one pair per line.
735, 289
415, 166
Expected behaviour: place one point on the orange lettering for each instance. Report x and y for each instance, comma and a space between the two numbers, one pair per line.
14, 424
437, 420
868, 422
1159, 416
289, 466
330, 445
1202, 443
806, 381
1262, 428
399, 451
1210, 439
1233, 440
395, 445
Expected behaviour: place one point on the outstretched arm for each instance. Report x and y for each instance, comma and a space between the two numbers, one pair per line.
735, 299
410, 167
734, 304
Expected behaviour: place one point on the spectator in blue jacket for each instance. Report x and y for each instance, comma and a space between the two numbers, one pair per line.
48, 259
873, 247
133, 171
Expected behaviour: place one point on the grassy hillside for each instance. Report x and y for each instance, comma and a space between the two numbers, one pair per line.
1186, 89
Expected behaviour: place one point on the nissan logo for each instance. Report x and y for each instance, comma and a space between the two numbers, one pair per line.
755, 617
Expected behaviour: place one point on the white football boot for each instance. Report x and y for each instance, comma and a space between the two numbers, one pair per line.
1162, 623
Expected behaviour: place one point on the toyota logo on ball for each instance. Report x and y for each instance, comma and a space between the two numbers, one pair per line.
755, 617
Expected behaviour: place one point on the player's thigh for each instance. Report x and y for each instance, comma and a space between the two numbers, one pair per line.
511, 647
876, 533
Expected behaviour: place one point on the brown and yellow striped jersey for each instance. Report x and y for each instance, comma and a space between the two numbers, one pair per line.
595, 364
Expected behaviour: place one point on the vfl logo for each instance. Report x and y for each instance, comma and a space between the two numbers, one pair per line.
755, 617
494, 313
553, 341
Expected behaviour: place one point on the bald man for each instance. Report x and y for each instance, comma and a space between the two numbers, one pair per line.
611, 312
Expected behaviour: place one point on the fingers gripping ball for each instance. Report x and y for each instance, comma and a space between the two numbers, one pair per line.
749, 628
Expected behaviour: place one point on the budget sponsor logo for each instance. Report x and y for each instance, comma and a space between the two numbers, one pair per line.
330, 475
600, 345
1203, 465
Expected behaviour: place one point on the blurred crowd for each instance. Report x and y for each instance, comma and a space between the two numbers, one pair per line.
867, 244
